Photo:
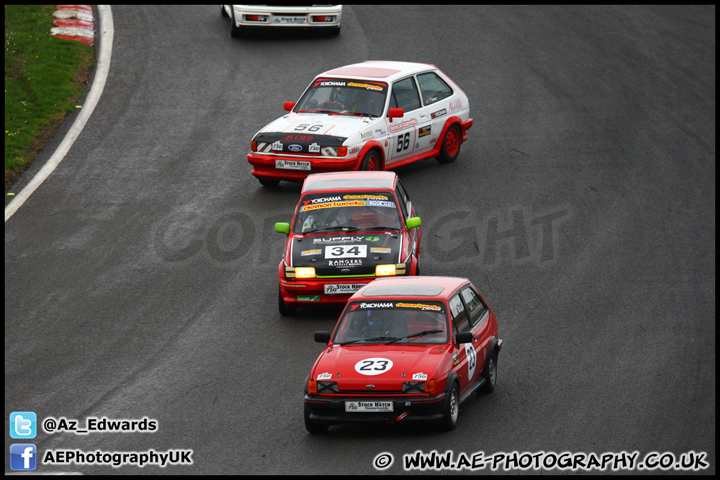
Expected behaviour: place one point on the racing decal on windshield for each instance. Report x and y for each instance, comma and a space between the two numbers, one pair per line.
378, 203
365, 196
352, 203
361, 84
421, 306
363, 306
373, 366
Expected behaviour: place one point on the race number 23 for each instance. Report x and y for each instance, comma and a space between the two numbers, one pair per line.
346, 251
373, 366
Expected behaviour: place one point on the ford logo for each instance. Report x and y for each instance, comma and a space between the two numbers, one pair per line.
295, 147
370, 386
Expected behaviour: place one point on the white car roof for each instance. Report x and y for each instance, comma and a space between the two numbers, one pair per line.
379, 70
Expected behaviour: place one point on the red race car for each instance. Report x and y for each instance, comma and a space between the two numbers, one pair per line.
405, 348
349, 228
374, 115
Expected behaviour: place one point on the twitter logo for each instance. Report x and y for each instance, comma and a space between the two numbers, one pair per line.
23, 425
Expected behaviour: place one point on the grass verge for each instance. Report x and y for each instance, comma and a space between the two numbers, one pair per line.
44, 77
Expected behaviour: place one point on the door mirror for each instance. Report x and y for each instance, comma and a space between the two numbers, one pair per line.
412, 222
463, 337
282, 227
322, 337
289, 106
396, 112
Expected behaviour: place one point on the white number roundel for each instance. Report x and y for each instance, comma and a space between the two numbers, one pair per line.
373, 366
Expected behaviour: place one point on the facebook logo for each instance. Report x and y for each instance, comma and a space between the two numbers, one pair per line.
23, 425
23, 456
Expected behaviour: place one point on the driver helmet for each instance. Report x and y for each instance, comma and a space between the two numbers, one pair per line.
346, 94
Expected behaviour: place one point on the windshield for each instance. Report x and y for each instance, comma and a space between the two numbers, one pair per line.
343, 96
347, 212
393, 322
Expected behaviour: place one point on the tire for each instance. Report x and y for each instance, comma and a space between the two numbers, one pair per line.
266, 182
371, 162
334, 31
490, 374
284, 310
314, 426
235, 31
451, 411
450, 148
222, 11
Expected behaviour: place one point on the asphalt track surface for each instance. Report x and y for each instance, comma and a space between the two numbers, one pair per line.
141, 276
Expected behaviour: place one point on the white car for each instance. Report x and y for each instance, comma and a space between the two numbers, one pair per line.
326, 17
374, 115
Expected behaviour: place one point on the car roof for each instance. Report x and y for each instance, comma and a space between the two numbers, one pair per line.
419, 286
379, 69
347, 180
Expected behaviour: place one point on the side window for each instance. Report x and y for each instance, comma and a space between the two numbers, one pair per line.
402, 199
474, 305
405, 95
457, 309
433, 88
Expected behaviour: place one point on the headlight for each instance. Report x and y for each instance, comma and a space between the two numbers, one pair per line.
304, 272
384, 270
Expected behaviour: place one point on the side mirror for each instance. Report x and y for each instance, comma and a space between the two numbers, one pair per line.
396, 112
322, 337
463, 337
282, 227
289, 106
412, 222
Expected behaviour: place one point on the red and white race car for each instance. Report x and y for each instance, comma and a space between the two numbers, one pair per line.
374, 115
349, 228
405, 348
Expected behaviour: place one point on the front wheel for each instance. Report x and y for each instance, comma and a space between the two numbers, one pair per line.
450, 148
490, 374
313, 426
452, 409
371, 162
235, 31
266, 182
284, 310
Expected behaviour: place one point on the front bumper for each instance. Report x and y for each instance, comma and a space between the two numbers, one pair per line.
331, 411
264, 166
312, 291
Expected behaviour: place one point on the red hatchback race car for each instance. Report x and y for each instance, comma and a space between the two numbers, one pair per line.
349, 228
374, 115
404, 349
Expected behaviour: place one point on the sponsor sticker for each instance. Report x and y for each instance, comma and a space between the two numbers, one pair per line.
418, 376
366, 135
277, 146
336, 240
310, 252
378, 203
422, 306
424, 131
339, 288
379, 250
324, 376
308, 298
439, 113
314, 148
455, 105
